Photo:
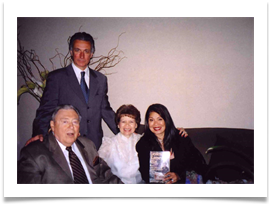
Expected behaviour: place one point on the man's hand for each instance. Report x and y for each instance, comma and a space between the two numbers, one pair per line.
37, 137
182, 132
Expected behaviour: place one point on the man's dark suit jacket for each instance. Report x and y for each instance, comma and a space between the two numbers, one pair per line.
62, 87
45, 163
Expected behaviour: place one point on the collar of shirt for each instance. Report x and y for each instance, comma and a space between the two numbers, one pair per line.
78, 71
78, 154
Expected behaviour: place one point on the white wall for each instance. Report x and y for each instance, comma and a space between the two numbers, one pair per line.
202, 69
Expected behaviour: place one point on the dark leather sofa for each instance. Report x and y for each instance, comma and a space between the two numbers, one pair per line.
232, 158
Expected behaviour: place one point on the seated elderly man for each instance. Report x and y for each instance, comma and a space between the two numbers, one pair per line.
63, 157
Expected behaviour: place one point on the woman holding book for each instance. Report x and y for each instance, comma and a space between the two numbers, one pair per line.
119, 151
162, 135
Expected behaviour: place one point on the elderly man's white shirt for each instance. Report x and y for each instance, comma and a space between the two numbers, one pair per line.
78, 154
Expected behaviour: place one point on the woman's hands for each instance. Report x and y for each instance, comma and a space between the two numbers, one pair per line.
171, 177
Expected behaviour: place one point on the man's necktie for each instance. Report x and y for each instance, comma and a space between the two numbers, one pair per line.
79, 174
84, 86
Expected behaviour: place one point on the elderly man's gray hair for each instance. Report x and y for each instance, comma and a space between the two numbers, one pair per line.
65, 107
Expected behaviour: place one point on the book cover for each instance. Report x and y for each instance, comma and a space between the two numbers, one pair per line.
159, 165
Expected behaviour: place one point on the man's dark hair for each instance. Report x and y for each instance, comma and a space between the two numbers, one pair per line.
82, 36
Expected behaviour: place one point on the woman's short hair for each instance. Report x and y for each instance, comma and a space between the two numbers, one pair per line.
130, 111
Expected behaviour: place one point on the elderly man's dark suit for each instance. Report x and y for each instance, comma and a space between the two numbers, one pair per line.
62, 87
45, 163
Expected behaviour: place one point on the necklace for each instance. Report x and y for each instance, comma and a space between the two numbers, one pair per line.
161, 143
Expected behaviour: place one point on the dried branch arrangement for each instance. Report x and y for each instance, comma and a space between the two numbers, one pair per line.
27, 60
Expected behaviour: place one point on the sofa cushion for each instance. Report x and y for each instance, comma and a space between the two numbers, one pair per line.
235, 165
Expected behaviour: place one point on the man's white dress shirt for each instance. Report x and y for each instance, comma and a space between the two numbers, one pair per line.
78, 154
78, 71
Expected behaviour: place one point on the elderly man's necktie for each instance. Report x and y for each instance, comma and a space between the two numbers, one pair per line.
84, 87
79, 174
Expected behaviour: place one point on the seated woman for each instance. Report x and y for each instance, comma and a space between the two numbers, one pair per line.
161, 135
119, 151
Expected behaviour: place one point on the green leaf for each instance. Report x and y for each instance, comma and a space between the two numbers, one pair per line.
30, 84
43, 84
44, 74
22, 90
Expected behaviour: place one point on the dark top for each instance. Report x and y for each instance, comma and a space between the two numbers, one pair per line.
187, 157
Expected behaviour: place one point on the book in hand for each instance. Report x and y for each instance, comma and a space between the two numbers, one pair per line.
159, 165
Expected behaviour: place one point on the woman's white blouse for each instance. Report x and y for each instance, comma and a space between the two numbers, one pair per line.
121, 156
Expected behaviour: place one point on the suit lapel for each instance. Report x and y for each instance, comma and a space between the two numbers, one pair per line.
93, 84
60, 159
58, 155
75, 86
88, 160
73, 83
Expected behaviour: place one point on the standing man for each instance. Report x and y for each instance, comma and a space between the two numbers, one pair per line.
81, 87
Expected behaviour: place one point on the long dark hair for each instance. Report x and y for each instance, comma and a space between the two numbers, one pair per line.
170, 131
